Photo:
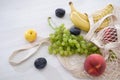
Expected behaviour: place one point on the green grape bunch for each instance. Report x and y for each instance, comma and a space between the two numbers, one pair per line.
65, 44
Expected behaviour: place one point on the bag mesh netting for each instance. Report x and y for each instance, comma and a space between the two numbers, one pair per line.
108, 40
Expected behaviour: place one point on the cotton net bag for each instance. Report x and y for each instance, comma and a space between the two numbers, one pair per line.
108, 40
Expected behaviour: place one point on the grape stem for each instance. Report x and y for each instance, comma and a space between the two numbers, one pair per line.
49, 22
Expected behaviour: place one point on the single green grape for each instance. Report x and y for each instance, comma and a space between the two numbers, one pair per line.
60, 48
68, 48
74, 37
83, 42
65, 39
58, 43
70, 53
61, 53
89, 44
94, 48
83, 46
65, 31
63, 43
74, 41
78, 50
50, 49
81, 51
80, 38
65, 53
54, 52
86, 51
70, 41
78, 46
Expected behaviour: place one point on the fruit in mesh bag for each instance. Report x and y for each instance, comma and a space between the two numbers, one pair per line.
110, 35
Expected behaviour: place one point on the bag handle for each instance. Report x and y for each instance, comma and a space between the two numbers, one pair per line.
12, 62
94, 26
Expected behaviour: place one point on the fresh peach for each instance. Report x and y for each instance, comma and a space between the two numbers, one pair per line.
95, 64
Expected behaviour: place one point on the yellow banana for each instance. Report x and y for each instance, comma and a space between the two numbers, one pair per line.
81, 20
84, 16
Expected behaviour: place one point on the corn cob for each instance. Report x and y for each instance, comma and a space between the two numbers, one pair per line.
104, 24
101, 13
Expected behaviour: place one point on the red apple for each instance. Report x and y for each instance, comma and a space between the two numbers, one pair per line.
95, 64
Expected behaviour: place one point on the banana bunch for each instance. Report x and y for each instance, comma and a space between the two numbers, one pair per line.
81, 20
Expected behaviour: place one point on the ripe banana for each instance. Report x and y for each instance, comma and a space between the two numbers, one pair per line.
84, 16
81, 20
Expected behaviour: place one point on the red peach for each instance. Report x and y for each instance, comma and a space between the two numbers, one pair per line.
95, 64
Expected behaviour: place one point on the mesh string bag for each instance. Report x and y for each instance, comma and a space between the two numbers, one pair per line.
108, 40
